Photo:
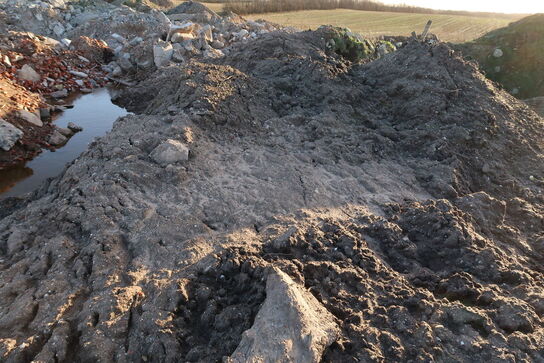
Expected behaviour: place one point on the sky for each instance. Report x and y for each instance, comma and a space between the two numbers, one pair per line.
499, 6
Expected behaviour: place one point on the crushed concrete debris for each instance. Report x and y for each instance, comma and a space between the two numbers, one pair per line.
342, 201
9, 135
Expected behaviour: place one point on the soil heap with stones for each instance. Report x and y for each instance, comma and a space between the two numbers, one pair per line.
283, 204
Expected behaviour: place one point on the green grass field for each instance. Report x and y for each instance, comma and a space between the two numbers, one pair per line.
453, 28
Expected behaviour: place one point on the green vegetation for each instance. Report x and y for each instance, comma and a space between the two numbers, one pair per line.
519, 65
453, 28
351, 46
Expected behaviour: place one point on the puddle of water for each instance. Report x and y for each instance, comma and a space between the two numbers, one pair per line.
94, 112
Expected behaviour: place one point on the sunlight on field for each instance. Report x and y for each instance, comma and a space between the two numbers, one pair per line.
453, 28
217, 7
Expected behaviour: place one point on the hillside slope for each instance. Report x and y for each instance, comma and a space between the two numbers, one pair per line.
513, 56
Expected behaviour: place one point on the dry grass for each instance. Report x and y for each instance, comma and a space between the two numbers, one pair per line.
453, 28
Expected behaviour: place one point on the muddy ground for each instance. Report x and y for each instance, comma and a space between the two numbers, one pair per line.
398, 202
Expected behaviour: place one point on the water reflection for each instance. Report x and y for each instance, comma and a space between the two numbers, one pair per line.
94, 112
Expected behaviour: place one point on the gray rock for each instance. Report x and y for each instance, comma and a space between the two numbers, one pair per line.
291, 326
218, 44
56, 138
60, 94
75, 128
497, 53
9, 135
28, 74
58, 29
31, 117
45, 112
117, 71
178, 55
136, 41
162, 54
64, 131
79, 74
125, 63
170, 152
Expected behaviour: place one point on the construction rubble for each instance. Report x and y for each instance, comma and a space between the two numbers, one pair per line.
274, 195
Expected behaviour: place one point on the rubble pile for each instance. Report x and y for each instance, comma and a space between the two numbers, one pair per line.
187, 31
272, 199
45, 66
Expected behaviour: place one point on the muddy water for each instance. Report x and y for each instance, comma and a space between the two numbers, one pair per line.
94, 112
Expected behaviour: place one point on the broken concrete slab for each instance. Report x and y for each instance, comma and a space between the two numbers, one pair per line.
31, 117
9, 135
291, 326
162, 54
28, 74
57, 138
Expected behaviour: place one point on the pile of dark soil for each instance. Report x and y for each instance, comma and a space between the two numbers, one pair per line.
405, 194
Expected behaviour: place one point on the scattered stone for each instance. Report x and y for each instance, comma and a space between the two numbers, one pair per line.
64, 131
59, 94
75, 128
162, 54
180, 37
9, 135
31, 117
45, 113
119, 38
59, 29
178, 55
136, 41
79, 74
170, 152
28, 74
6, 61
57, 138
218, 44
125, 63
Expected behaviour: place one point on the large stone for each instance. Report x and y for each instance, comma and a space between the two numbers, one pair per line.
31, 117
170, 152
180, 37
162, 54
206, 31
9, 135
75, 128
56, 138
28, 73
291, 326
59, 29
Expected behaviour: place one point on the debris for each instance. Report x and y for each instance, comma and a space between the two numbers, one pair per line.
426, 30
9, 135
170, 152
162, 53
57, 138
31, 117
28, 73
75, 128
291, 326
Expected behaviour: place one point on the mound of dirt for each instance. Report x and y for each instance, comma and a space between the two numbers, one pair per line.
513, 56
404, 195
